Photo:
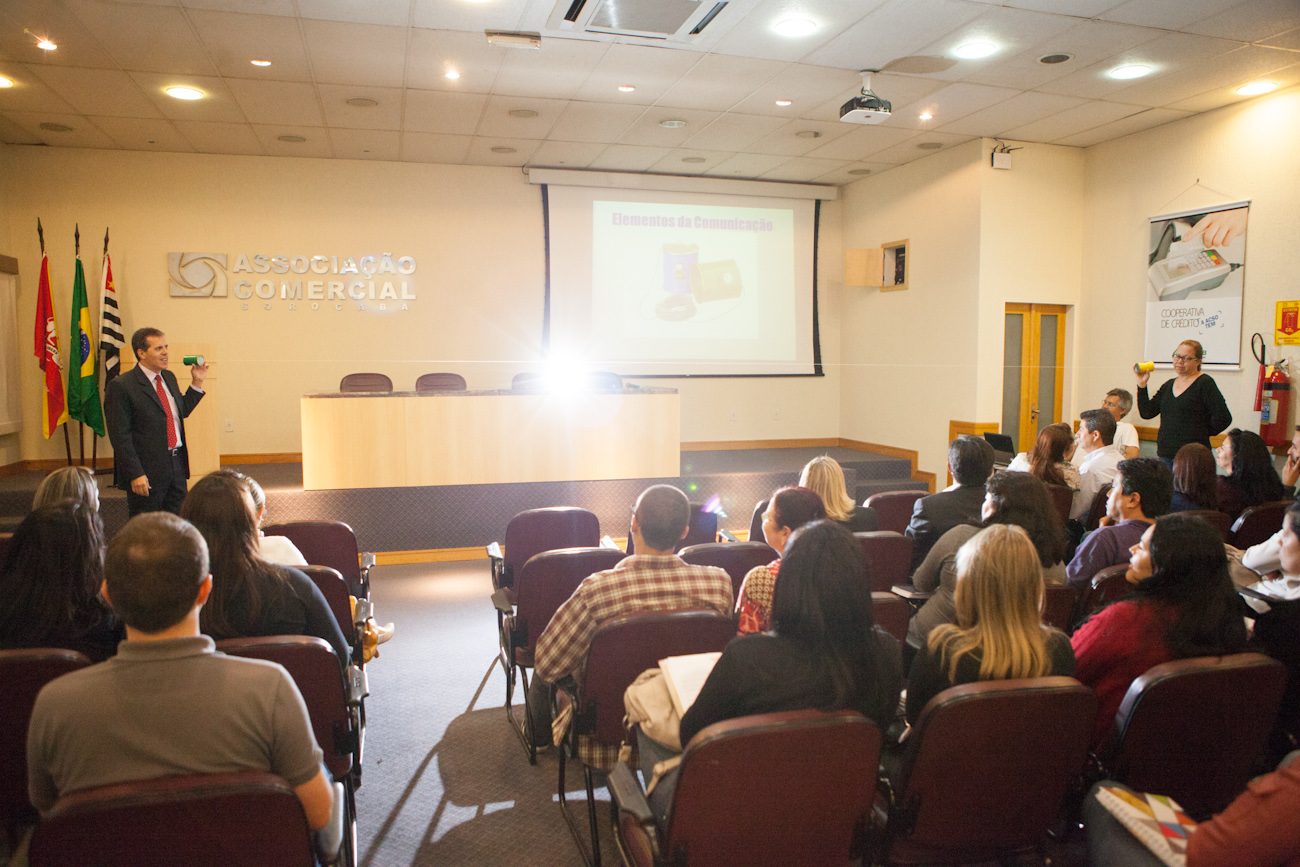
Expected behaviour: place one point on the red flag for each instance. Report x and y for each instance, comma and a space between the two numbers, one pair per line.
54, 409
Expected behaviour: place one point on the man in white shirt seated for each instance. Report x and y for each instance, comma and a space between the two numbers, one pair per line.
1100, 462
1119, 403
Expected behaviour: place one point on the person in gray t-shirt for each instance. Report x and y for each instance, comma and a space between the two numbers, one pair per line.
169, 703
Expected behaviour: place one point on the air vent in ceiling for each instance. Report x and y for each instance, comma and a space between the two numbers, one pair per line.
671, 20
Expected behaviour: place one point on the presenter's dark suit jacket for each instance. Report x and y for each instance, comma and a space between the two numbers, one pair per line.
936, 514
137, 427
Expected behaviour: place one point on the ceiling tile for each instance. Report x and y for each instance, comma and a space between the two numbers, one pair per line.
366, 144
674, 162
432, 111
844, 174
1088, 41
1168, 54
1251, 21
909, 150
144, 38
1077, 8
1073, 120
144, 134
425, 147
356, 53
220, 138
432, 53
720, 81
218, 104
97, 91
1289, 39
339, 115
233, 40
29, 92
1221, 96
952, 102
1011, 30
254, 7
475, 17
753, 36
862, 141
290, 103
898, 89
807, 87
83, 134
12, 133
646, 131
734, 132
803, 169
1168, 14
481, 154
317, 143
394, 13
1234, 68
628, 158
595, 122
496, 121
1129, 125
568, 154
746, 165
897, 29
55, 21
650, 69
1016, 111
557, 69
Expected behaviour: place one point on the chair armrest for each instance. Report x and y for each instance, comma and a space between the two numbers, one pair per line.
362, 612
628, 796
328, 841
607, 541
358, 685
494, 551
501, 601
908, 591
727, 535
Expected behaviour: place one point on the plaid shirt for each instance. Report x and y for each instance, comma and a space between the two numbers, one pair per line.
637, 584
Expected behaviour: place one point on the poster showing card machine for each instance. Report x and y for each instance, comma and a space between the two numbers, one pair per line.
1194, 281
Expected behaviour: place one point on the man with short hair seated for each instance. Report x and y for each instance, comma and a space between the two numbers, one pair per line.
971, 461
1100, 462
1141, 492
169, 704
653, 579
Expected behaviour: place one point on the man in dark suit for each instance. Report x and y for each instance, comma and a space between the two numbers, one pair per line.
971, 461
145, 413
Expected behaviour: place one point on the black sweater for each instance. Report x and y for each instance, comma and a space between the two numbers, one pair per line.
1194, 416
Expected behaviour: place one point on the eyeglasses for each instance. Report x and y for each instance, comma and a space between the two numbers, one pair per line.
1178, 357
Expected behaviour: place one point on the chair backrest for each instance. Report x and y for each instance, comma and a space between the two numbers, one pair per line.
1097, 510
527, 381
1058, 605
703, 528
988, 766
1062, 499
440, 382
315, 670
1218, 520
335, 590
546, 582
891, 613
1107, 586
626, 646
360, 382
775, 789
756, 520
889, 558
23, 672
325, 543
894, 508
536, 530
735, 557
1194, 728
252, 819
4, 544
1257, 523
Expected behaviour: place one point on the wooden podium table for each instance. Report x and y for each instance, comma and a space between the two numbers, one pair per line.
405, 439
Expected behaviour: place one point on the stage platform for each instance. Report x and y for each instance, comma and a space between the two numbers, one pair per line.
468, 516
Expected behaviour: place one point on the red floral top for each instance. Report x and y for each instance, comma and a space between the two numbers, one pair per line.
754, 606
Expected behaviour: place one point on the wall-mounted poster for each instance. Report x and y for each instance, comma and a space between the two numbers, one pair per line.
1195, 275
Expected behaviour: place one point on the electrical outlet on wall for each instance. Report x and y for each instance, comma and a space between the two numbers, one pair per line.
776, 416
230, 425
733, 415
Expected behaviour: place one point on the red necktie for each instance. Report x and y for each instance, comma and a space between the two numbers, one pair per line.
167, 410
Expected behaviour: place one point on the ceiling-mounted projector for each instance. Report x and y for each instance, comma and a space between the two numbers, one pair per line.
866, 107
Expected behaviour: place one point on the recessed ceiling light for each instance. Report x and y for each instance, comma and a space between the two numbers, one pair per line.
56, 127
1055, 57
291, 139
522, 112
1255, 88
362, 102
452, 74
260, 62
694, 160
808, 133
795, 27
672, 124
4, 82
1133, 71
46, 45
859, 171
783, 102
626, 88
925, 115
930, 145
502, 150
184, 93
975, 50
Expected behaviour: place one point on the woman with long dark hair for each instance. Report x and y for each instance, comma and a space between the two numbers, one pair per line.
251, 596
1011, 498
789, 509
1251, 479
1183, 605
50, 580
1050, 458
1195, 480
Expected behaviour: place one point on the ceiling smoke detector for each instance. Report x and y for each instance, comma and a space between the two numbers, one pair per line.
1056, 57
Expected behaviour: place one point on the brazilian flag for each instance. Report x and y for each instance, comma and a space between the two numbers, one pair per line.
83, 374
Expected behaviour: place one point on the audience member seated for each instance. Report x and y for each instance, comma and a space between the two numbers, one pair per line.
1012, 498
168, 703
970, 459
49, 584
1050, 459
274, 549
999, 633
68, 483
1119, 402
251, 596
787, 511
825, 477
1251, 479
824, 653
1183, 605
1140, 494
1277, 618
1096, 439
1291, 467
1258, 829
652, 579
1196, 485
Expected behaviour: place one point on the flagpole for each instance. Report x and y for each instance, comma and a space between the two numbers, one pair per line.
67, 445
81, 425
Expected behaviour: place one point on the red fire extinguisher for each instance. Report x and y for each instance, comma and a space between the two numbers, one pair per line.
1272, 399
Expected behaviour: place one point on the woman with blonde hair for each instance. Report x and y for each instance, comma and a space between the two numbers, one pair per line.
999, 634
68, 483
824, 476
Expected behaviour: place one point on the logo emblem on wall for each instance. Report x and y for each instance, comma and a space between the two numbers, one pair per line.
196, 275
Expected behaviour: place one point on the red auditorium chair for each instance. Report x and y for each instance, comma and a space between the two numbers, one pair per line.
439, 382
986, 771
1218, 520
23, 672
1063, 499
765, 791
1097, 510
538, 530
894, 508
1195, 729
365, 383
1107, 586
335, 590
1258, 523
889, 558
545, 583
891, 613
1059, 601
333, 544
735, 557
4, 544
620, 650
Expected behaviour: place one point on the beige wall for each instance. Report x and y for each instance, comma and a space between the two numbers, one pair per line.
475, 232
11, 444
